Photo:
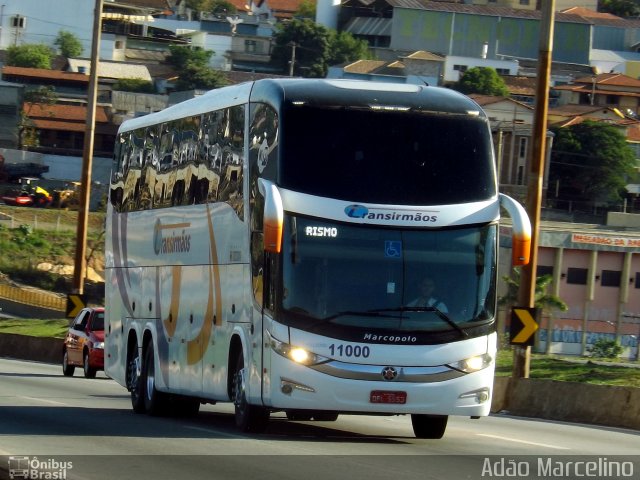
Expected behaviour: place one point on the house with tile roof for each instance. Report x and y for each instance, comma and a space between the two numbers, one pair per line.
61, 129
422, 68
603, 90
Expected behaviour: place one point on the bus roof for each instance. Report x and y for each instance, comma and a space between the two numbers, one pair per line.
334, 92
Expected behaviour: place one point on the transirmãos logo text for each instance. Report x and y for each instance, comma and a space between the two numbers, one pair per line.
171, 238
367, 213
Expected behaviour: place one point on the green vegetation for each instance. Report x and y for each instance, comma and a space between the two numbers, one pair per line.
317, 48
567, 369
68, 44
591, 162
30, 55
193, 67
56, 328
606, 348
31, 236
136, 85
482, 80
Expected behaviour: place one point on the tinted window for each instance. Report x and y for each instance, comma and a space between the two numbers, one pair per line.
577, 276
386, 156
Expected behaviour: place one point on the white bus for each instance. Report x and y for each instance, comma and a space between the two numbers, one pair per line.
266, 243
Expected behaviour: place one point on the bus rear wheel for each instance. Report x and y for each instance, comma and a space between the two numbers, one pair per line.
134, 381
155, 402
429, 426
249, 418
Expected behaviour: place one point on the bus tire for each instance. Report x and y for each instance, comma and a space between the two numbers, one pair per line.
155, 402
134, 381
429, 426
249, 418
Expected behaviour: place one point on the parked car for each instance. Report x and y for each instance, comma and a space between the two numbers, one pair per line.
84, 343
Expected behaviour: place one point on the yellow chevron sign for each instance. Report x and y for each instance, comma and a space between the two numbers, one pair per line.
523, 325
75, 303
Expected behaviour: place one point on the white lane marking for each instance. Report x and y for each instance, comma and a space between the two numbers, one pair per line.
52, 402
515, 440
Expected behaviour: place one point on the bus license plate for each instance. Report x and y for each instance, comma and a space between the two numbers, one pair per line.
388, 396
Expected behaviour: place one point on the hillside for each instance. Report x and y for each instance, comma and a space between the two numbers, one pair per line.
38, 247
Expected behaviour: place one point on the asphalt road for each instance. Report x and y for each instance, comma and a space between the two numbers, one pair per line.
85, 429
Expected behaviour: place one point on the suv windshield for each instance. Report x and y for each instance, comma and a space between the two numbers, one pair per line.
339, 278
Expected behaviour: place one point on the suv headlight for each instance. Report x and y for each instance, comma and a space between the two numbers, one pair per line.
473, 364
296, 354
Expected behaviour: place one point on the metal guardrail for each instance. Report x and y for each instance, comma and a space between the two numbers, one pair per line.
33, 297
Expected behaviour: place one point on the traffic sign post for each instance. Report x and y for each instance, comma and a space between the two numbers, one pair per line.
75, 303
524, 325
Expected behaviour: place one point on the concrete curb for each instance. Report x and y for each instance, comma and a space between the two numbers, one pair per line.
568, 401
24, 347
565, 401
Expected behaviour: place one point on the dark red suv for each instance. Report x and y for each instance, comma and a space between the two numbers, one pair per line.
84, 343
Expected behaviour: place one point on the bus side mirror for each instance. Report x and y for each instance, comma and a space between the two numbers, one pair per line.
521, 231
273, 216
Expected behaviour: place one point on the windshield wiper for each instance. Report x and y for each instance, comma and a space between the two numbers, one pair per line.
443, 316
368, 313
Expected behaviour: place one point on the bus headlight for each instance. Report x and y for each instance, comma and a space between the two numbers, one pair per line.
473, 364
297, 354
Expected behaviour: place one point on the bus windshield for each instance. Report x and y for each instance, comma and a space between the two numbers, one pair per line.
392, 157
338, 277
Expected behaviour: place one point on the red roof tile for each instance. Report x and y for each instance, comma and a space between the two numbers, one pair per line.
72, 113
44, 73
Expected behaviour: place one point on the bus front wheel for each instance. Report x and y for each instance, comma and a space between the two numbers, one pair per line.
429, 426
249, 418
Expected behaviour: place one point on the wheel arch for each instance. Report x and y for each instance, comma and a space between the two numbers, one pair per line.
235, 347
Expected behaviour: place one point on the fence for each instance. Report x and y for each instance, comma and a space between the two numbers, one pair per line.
31, 297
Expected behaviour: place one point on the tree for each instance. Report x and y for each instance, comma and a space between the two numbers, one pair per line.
546, 302
222, 7
310, 42
316, 47
542, 299
68, 44
40, 97
193, 68
179, 56
621, 8
590, 162
344, 47
306, 9
194, 76
30, 55
482, 80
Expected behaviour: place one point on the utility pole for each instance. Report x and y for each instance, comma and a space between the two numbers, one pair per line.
526, 294
87, 157
293, 57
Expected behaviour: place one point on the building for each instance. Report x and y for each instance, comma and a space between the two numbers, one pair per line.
596, 272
